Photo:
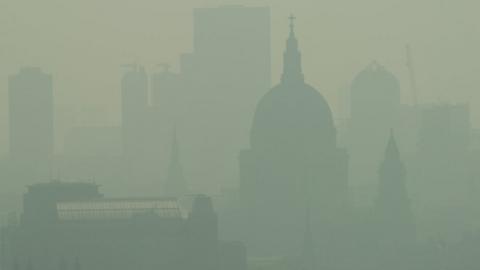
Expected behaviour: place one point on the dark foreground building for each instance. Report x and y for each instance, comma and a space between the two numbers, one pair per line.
72, 226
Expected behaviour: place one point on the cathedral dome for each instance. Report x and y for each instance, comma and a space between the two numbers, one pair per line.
293, 115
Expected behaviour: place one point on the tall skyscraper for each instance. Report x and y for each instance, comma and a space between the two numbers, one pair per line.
168, 95
293, 156
227, 72
136, 135
169, 107
442, 163
444, 128
31, 111
134, 109
443, 147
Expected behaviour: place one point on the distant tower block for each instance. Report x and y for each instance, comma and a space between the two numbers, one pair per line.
134, 109
168, 95
31, 114
31, 109
227, 72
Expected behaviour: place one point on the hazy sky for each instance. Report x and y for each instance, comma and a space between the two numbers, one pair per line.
84, 42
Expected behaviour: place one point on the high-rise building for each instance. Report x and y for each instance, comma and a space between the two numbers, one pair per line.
443, 145
442, 163
169, 107
31, 111
134, 109
139, 150
168, 96
444, 128
227, 72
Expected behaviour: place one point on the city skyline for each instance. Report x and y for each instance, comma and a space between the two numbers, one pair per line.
235, 161
328, 33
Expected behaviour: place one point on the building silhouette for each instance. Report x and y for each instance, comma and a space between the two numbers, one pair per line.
31, 126
225, 74
203, 234
73, 220
134, 108
292, 156
393, 210
374, 108
444, 128
169, 96
217, 85
140, 141
442, 161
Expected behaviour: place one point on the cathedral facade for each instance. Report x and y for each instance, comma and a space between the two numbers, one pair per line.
293, 160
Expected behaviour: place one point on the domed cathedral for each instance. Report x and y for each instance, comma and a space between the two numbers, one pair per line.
375, 106
293, 158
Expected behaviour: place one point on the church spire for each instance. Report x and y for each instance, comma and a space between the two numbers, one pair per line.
392, 149
393, 210
176, 185
392, 170
292, 59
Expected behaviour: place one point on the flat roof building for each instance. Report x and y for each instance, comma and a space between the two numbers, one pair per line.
72, 224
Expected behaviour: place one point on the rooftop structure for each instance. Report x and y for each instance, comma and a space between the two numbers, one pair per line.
117, 209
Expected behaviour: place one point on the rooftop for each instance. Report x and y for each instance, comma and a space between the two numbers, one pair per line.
118, 208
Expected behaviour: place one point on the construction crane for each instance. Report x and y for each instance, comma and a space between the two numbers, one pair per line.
411, 71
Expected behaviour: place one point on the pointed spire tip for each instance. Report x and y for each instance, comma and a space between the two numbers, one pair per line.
292, 19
